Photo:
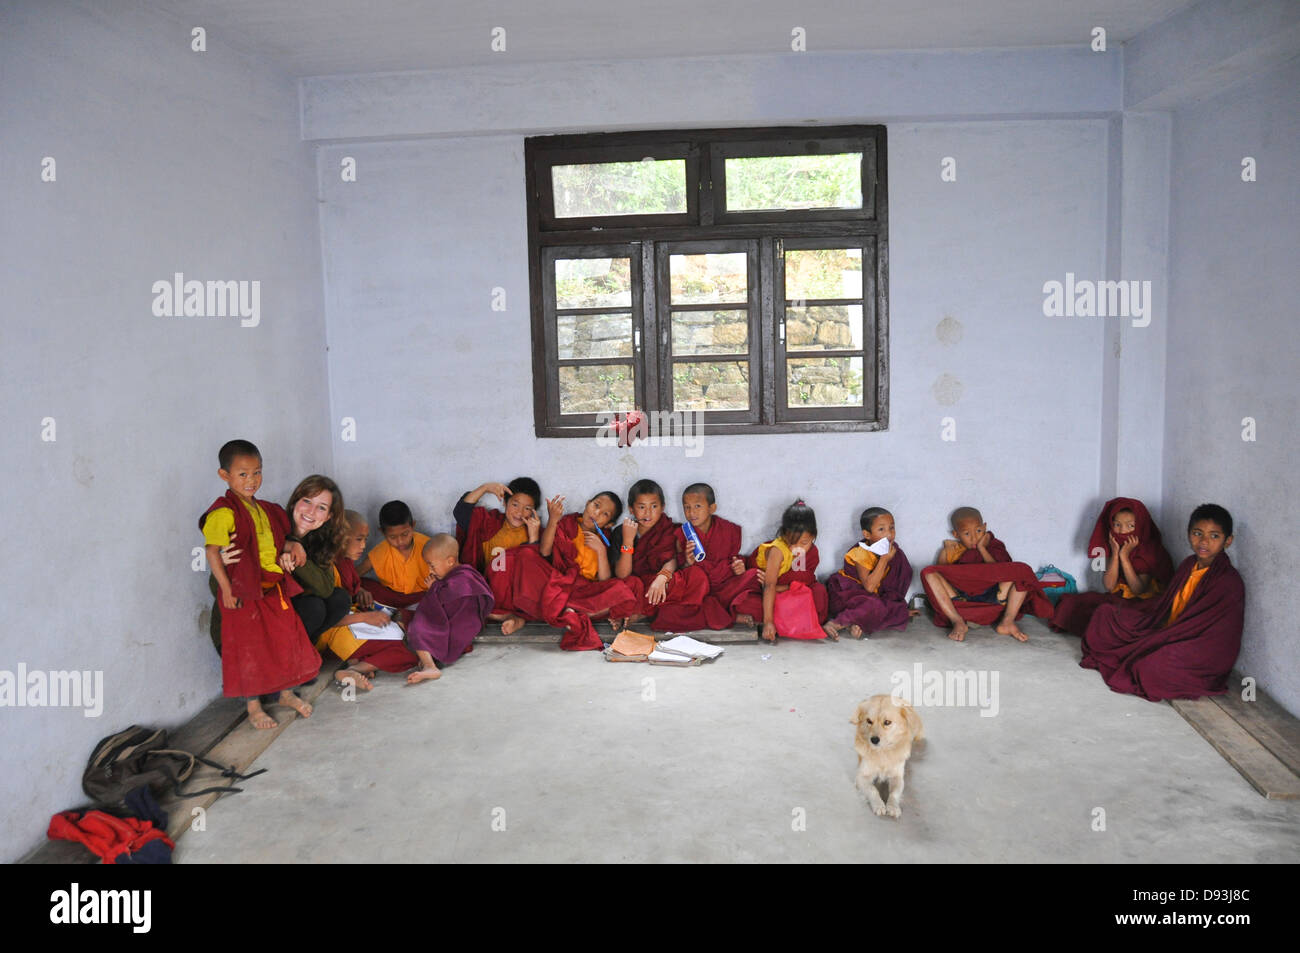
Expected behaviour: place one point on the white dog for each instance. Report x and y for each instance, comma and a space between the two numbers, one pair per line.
886, 730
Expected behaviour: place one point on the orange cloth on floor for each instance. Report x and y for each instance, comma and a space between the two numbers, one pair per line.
1185, 595
401, 573
339, 639
507, 537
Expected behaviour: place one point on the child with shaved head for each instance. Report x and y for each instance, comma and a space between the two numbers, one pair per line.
451, 613
976, 583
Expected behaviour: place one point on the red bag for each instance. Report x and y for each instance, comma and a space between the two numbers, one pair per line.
795, 614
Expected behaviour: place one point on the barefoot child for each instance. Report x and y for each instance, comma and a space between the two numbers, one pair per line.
869, 593
976, 578
451, 613
1184, 644
264, 646
1137, 564
784, 560
485, 534
722, 568
647, 552
362, 658
399, 568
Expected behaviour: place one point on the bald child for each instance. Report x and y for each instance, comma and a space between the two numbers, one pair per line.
451, 614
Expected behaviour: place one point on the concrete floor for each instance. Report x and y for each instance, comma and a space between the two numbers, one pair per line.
565, 753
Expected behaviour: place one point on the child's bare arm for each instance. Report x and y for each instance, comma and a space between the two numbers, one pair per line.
499, 490
228, 600
603, 570
627, 537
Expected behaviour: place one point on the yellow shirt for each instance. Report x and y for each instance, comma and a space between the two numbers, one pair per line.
1153, 589
858, 556
588, 561
507, 537
400, 573
1185, 595
220, 524
787, 556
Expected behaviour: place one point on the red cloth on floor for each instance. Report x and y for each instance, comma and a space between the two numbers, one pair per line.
1137, 653
527, 585
106, 835
971, 575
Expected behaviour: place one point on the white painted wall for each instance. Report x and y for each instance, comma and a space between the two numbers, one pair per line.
440, 385
1233, 351
167, 160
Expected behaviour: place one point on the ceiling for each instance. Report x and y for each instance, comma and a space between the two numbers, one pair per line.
319, 37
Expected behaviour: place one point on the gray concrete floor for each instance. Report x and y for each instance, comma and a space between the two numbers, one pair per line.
566, 753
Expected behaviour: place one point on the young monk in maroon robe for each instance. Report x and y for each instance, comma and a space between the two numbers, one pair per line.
452, 612
1137, 564
362, 658
869, 593
484, 534
722, 568
577, 545
648, 552
264, 647
1184, 644
975, 579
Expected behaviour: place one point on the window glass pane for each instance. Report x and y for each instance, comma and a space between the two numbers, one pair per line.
710, 332
723, 385
824, 328
593, 283
823, 273
597, 387
593, 335
648, 187
824, 382
764, 183
709, 279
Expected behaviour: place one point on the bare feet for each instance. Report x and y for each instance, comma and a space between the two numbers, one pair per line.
1011, 629
258, 717
512, 625
913, 613
855, 631
423, 674
290, 700
832, 630
958, 631
744, 620
769, 633
351, 676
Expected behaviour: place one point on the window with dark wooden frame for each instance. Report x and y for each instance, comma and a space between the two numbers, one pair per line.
737, 273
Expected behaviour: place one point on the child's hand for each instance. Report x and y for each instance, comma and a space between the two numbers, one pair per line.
769, 632
378, 618
428, 580
737, 566
286, 563
298, 552
534, 524
499, 490
658, 590
228, 600
984, 540
230, 555
554, 508
893, 551
594, 542
762, 577
690, 554
1127, 547
365, 599
629, 530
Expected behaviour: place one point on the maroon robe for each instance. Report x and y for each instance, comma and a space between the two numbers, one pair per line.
1150, 558
650, 551
387, 655
971, 575
617, 598
264, 647
1138, 653
749, 599
451, 614
525, 584
852, 604
721, 546
483, 525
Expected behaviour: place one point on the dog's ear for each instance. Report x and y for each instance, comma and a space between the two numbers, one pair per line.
857, 715
909, 716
